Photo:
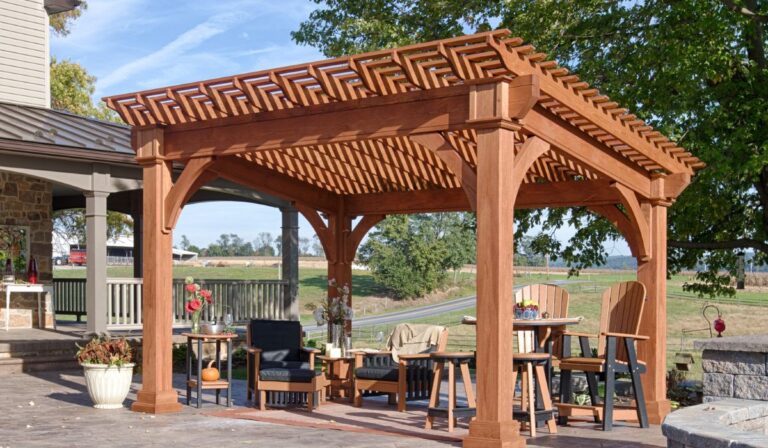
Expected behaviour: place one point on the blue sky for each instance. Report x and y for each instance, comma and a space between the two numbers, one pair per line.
133, 45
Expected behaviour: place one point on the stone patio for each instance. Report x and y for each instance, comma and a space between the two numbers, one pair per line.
52, 409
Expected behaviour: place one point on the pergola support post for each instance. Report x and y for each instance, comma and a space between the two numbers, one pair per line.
339, 263
653, 274
157, 394
494, 425
96, 267
289, 248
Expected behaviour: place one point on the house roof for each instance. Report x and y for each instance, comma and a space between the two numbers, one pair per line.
433, 65
22, 125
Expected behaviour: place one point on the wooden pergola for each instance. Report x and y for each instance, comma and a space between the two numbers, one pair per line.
476, 123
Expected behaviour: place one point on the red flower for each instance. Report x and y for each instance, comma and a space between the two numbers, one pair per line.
191, 287
193, 305
206, 295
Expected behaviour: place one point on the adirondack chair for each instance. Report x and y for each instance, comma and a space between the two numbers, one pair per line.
552, 300
410, 378
528, 364
622, 309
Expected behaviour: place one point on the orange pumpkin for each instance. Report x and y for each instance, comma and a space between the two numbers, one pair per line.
210, 373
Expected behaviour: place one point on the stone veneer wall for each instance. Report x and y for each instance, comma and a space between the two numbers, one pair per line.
27, 201
735, 367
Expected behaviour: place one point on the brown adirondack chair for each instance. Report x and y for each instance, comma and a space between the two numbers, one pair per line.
410, 378
552, 300
620, 315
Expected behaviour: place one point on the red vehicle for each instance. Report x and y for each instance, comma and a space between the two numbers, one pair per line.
77, 256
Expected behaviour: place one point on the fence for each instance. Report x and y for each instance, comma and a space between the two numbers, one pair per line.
244, 299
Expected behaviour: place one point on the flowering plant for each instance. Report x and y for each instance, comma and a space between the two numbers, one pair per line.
197, 298
106, 351
334, 310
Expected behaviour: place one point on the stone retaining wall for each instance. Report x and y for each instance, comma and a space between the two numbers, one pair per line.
735, 367
727, 423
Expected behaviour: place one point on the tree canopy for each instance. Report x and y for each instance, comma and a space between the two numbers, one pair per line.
694, 69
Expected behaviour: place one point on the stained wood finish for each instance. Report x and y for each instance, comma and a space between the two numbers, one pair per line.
621, 312
420, 128
653, 274
157, 394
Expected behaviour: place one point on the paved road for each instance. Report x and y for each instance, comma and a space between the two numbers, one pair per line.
418, 313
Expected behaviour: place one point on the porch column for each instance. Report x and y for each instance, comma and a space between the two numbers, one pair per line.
653, 274
96, 265
137, 214
157, 394
494, 425
290, 263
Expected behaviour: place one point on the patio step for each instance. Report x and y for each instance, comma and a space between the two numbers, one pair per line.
18, 356
37, 364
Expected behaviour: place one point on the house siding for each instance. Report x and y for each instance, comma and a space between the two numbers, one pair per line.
24, 53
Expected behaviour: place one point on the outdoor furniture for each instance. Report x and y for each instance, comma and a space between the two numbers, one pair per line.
529, 366
553, 301
450, 411
409, 377
620, 315
338, 376
277, 362
197, 384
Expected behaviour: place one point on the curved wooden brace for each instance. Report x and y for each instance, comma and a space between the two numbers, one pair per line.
622, 224
532, 149
638, 219
464, 173
359, 232
190, 180
323, 231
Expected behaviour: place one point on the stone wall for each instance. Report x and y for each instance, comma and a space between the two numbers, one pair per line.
27, 201
735, 367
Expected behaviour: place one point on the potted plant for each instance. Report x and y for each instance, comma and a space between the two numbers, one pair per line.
108, 367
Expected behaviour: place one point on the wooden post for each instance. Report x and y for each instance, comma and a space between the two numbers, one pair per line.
653, 274
289, 247
157, 394
96, 286
494, 425
339, 261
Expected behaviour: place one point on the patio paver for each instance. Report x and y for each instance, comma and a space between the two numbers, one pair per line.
52, 409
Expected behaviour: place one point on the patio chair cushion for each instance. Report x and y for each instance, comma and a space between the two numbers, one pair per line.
288, 375
284, 365
377, 373
279, 340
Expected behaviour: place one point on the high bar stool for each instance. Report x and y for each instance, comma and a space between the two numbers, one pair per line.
450, 411
530, 366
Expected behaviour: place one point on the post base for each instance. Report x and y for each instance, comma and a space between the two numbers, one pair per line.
156, 402
657, 410
494, 435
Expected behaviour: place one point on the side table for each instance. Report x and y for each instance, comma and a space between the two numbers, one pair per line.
338, 375
197, 383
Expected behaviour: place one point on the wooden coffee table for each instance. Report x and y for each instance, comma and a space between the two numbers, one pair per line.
338, 375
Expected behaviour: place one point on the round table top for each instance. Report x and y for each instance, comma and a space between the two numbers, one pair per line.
551, 322
210, 336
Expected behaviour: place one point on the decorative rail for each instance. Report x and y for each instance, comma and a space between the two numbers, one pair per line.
244, 299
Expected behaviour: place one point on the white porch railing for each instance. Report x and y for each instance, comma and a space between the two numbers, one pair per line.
245, 299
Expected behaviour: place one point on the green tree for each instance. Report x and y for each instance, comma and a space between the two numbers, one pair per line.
695, 69
70, 225
411, 254
61, 22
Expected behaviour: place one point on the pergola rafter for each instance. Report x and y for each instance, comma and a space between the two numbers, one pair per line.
478, 122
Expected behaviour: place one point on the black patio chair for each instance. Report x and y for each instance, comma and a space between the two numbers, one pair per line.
280, 370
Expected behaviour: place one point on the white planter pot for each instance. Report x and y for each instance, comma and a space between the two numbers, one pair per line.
108, 385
